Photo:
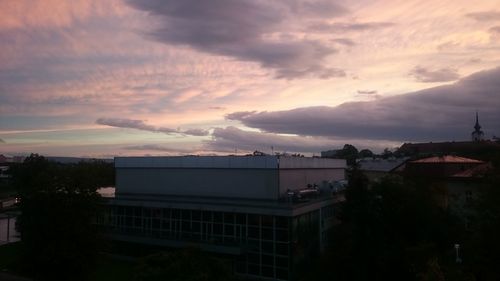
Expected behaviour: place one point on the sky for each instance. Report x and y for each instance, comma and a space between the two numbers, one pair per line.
92, 78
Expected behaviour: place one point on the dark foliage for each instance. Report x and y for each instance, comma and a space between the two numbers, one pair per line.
58, 206
189, 264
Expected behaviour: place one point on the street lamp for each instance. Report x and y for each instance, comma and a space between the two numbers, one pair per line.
457, 254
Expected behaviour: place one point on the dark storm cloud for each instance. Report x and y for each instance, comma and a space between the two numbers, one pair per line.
485, 16
439, 113
246, 30
141, 125
2, 141
347, 27
157, 147
231, 138
422, 74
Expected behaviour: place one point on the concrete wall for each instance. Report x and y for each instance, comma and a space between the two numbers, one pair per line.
237, 183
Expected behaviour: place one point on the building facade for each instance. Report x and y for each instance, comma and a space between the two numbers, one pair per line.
265, 213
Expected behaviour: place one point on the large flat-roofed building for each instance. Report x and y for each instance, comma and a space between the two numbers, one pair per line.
264, 212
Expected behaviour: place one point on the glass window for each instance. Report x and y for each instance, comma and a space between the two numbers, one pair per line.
218, 217
267, 260
282, 274
253, 232
282, 262
241, 219
267, 271
267, 234
267, 221
282, 235
253, 269
253, 258
282, 222
267, 247
217, 229
207, 216
229, 230
253, 220
229, 218
282, 249
196, 215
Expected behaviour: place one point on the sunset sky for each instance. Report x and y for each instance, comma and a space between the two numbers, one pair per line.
175, 77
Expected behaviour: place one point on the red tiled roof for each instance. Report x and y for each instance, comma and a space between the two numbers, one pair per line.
477, 171
448, 159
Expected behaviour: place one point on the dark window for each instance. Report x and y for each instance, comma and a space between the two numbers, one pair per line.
282, 235
196, 215
218, 217
217, 229
267, 221
229, 230
207, 216
282, 249
195, 227
253, 220
229, 218
282, 274
241, 219
282, 222
267, 271
267, 260
253, 269
267, 247
186, 214
253, 232
267, 234
282, 262
253, 258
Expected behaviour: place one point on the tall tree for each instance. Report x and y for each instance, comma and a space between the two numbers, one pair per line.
58, 206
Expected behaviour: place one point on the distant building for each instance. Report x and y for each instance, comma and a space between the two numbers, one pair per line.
477, 145
454, 179
376, 168
264, 212
329, 153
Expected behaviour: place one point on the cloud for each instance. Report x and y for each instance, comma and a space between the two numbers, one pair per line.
495, 30
485, 16
2, 141
141, 125
230, 138
344, 41
158, 147
439, 113
422, 74
339, 27
254, 31
372, 92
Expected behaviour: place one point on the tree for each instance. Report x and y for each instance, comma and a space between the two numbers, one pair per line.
349, 153
190, 264
58, 206
392, 230
364, 153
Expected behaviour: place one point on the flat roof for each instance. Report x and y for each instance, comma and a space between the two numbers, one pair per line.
230, 162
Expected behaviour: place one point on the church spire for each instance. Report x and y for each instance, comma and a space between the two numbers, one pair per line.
477, 135
477, 126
